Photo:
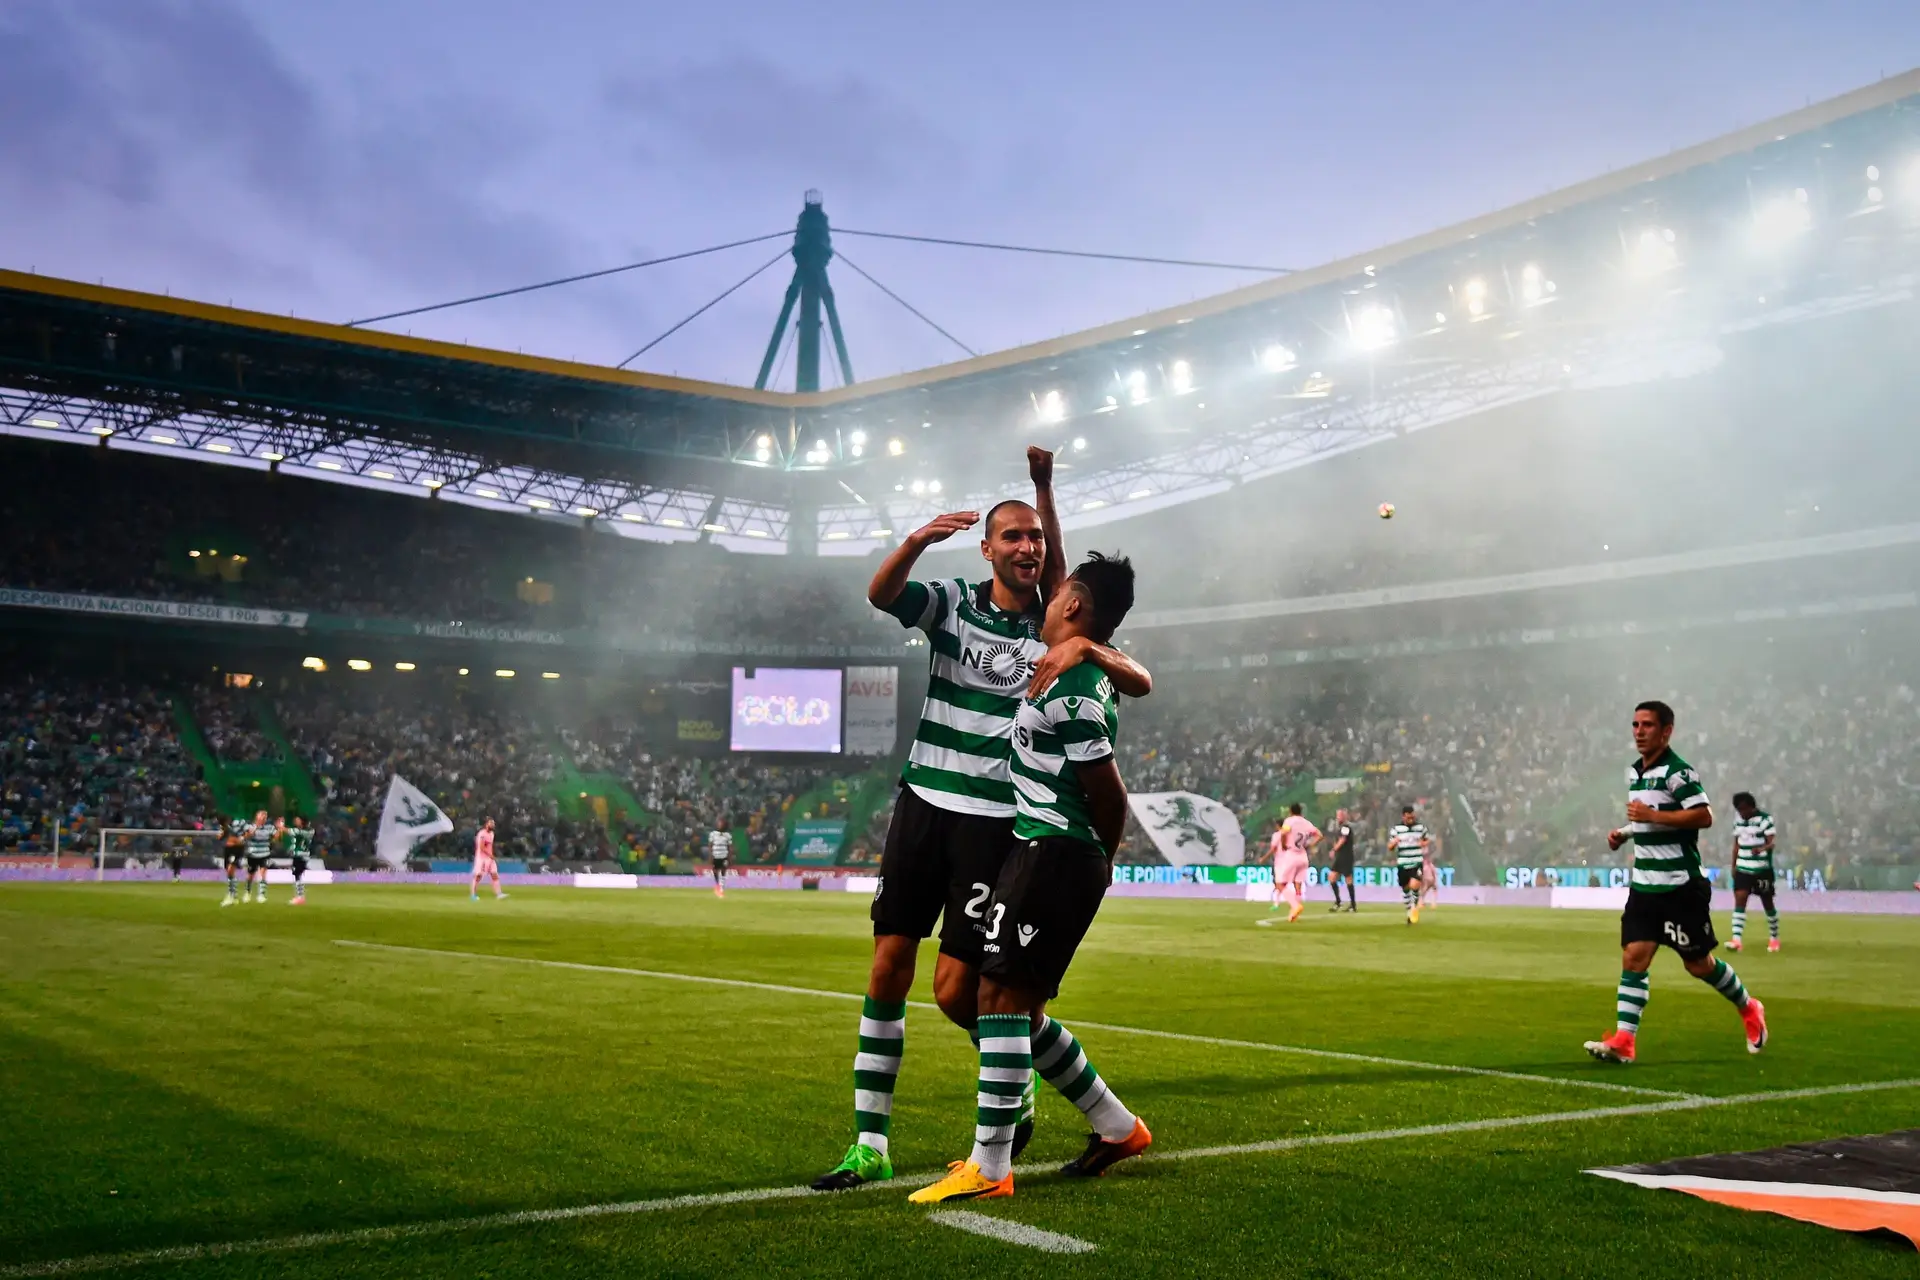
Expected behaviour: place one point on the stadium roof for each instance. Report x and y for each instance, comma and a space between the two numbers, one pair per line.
1602, 280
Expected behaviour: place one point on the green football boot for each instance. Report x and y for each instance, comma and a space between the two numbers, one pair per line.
861, 1165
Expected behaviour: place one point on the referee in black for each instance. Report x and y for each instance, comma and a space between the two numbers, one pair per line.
1343, 860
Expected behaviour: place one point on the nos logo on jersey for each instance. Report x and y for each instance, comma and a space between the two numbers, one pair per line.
1002, 665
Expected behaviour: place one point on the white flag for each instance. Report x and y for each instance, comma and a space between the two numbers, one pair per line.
407, 818
1190, 830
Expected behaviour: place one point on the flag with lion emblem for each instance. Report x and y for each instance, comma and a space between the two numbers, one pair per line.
407, 818
1190, 830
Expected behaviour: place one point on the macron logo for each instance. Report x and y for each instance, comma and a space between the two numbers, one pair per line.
1026, 934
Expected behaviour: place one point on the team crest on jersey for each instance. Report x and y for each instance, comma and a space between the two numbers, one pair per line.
1002, 665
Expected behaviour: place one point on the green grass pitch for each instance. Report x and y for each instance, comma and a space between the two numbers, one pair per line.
177, 1075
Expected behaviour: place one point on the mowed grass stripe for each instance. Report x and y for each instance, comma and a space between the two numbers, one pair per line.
531, 1217
1212, 1041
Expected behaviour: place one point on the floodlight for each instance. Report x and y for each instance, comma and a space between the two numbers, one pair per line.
1052, 407
1277, 358
1373, 327
1180, 377
1781, 219
1475, 294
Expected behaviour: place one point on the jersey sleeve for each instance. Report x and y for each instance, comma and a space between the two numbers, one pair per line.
923, 605
1686, 789
1766, 827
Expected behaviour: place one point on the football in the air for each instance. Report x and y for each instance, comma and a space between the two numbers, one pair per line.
1386, 511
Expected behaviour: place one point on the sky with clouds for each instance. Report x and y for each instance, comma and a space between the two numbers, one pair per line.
344, 159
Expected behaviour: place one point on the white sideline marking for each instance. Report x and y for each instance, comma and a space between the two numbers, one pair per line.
414, 1230
1010, 1232
1336, 1054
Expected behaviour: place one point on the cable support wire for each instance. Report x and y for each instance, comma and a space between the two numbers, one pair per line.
710, 305
1065, 253
903, 302
587, 275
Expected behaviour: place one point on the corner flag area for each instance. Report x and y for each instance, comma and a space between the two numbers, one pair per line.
400, 1081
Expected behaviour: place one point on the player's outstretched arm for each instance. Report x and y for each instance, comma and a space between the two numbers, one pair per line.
891, 578
1106, 801
1053, 570
1128, 676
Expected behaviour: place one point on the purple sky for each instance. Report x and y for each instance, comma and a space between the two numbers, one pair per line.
341, 159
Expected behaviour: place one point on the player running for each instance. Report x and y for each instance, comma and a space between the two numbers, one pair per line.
1343, 861
483, 863
234, 848
259, 836
1291, 846
1072, 811
1669, 903
953, 822
298, 840
1410, 843
1753, 835
720, 855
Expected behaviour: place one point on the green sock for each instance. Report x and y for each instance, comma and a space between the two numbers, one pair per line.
1724, 980
1006, 1067
1630, 1000
1062, 1063
883, 1037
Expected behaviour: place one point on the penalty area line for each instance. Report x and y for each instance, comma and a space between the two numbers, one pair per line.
1010, 1232
415, 1230
1214, 1041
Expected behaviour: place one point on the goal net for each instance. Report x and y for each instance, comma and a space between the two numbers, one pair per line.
151, 847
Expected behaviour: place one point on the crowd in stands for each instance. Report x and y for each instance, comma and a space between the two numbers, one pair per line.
78, 754
1511, 761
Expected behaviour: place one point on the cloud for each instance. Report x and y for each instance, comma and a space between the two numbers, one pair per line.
176, 127
746, 115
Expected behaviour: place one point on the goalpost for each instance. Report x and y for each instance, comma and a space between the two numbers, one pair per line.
150, 842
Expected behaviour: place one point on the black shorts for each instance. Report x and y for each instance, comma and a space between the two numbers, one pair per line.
1753, 882
1407, 876
299, 867
938, 862
721, 866
236, 858
1343, 862
1681, 919
1042, 906
255, 864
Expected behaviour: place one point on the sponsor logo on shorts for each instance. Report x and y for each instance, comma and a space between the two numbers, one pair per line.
1026, 934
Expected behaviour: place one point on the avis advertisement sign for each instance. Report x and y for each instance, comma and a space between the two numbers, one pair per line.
872, 710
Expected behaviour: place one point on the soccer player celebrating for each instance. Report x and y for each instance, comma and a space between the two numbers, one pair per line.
1409, 842
1072, 812
298, 840
1343, 861
483, 863
234, 842
1292, 842
1753, 834
260, 835
952, 825
720, 855
1669, 902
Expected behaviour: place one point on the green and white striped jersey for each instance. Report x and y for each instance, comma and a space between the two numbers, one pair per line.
1750, 836
298, 841
719, 845
259, 840
1664, 858
1073, 723
982, 660
1406, 842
